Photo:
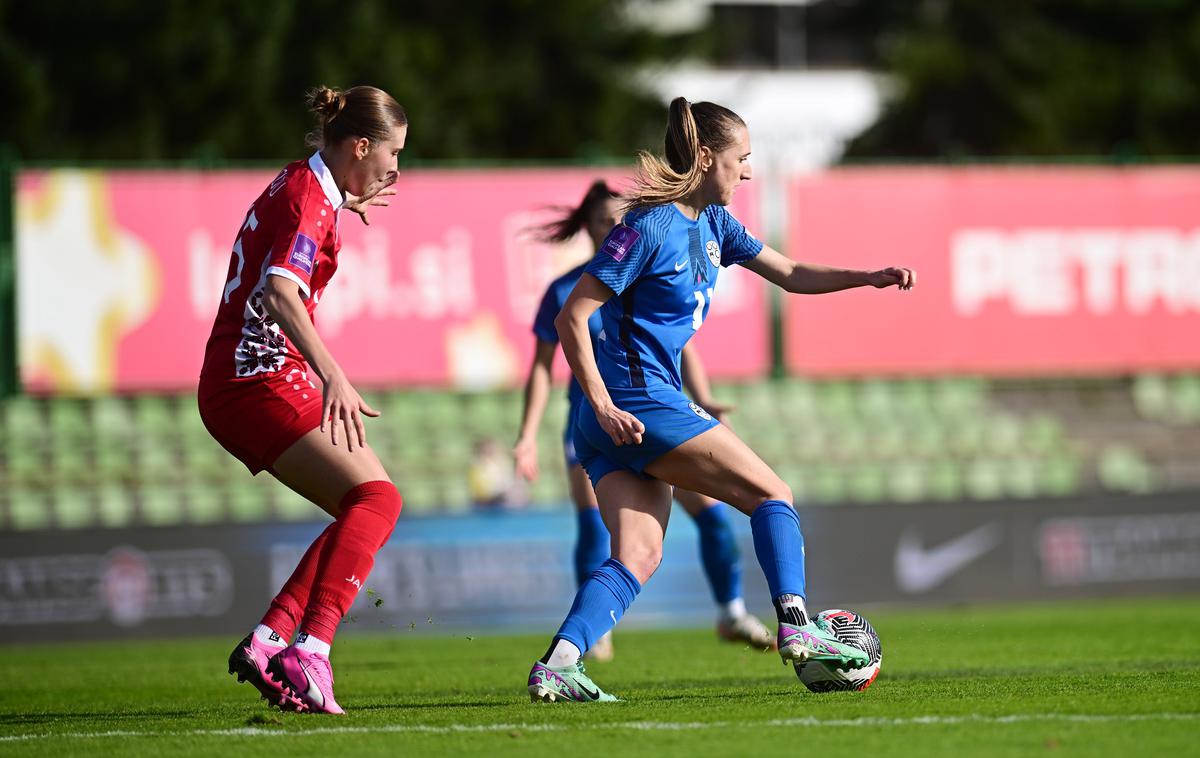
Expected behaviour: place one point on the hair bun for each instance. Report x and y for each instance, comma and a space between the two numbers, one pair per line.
327, 102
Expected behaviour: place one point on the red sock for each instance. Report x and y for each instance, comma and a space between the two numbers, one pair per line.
369, 512
287, 609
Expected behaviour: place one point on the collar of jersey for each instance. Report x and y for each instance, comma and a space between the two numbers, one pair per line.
325, 177
684, 216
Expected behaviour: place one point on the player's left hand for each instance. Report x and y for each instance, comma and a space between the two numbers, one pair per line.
372, 195
904, 278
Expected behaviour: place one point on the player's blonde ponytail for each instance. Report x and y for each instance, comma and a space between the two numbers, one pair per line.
689, 127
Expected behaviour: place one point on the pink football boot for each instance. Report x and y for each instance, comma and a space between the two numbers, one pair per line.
305, 676
248, 662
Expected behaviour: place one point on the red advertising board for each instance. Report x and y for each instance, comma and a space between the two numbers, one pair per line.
1020, 270
119, 273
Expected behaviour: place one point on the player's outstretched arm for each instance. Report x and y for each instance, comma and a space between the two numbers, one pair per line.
813, 279
342, 403
572, 324
537, 394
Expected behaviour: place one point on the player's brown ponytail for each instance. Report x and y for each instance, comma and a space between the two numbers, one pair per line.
358, 112
573, 219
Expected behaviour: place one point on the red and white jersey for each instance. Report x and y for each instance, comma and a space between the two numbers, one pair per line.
291, 230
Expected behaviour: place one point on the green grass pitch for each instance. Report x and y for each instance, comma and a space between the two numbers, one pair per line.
1097, 678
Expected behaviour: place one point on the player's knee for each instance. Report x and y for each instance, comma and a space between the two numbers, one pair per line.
641, 558
776, 489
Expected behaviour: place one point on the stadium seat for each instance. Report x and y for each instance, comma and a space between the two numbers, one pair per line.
1121, 469
115, 506
162, 505
29, 509
73, 508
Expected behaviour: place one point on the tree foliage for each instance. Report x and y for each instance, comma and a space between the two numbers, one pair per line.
1039, 78
224, 79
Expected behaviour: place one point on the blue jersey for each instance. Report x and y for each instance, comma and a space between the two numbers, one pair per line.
543, 323
662, 267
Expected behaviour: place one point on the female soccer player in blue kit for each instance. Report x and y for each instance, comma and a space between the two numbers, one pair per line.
653, 281
596, 214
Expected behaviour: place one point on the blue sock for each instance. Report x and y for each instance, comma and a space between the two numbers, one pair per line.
779, 546
719, 554
592, 545
599, 605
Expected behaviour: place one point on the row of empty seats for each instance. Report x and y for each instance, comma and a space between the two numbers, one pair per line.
147, 459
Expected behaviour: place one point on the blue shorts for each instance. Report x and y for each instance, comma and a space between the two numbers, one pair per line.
670, 418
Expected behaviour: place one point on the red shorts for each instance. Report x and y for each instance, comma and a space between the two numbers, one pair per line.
257, 419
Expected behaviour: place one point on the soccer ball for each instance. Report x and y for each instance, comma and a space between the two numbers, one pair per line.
852, 629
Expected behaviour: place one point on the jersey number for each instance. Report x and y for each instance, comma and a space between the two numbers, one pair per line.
698, 314
236, 281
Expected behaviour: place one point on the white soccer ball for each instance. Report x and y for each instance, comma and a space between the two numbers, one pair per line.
851, 629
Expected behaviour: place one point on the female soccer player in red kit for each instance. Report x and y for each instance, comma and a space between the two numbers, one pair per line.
258, 400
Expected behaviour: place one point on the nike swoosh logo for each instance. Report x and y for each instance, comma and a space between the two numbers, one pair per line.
679, 266
590, 695
314, 692
919, 569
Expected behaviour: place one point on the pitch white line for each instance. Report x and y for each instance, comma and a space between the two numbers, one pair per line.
652, 726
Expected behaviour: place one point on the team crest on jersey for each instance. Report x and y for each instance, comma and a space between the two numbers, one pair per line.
620, 241
714, 252
698, 410
304, 250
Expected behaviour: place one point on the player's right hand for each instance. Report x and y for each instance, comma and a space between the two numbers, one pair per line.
343, 406
525, 456
622, 427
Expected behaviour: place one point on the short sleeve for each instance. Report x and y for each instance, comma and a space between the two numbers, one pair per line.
621, 259
543, 323
737, 244
297, 240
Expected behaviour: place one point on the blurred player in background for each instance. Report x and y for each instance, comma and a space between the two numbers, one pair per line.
596, 214
258, 400
653, 281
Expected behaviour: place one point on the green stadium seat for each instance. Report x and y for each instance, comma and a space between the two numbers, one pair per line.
836, 401
246, 502
1152, 397
115, 506
154, 416
826, 485
907, 482
957, 397
1021, 477
1043, 434
1002, 435
1185, 399
290, 506
73, 508
944, 480
27, 464
1121, 468
29, 509
24, 422
157, 461
114, 459
1060, 476
112, 419
867, 483
984, 479
205, 504
69, 420
70, 462
162, 505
